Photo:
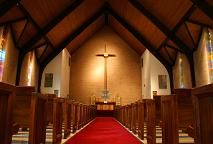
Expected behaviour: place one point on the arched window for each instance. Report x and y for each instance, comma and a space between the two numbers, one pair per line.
210, 54
3, 40
181, 71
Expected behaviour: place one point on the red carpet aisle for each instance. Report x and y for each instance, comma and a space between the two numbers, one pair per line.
104, 130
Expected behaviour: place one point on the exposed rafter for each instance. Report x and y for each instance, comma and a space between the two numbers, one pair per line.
12, 21
6, 5
51, 25
171, 35
21, 7
45, 49
13, 36
199, 23
134, 32
106, 18
190, 35
20, 36
72, 36
64, 43
205, 7
40, 45
180, 22
174, 48
161, 26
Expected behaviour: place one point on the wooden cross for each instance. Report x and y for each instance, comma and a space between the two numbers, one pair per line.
105, 55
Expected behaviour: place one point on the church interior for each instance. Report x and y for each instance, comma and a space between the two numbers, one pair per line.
106, 71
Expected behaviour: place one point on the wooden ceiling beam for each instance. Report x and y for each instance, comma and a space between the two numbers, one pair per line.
64, 43
72, 36
171, 35
180, 23
7, 5
199, 23
148, 45
174, 48
12, 21
205, 7
29, 17
137, 35
106, 18
47, 28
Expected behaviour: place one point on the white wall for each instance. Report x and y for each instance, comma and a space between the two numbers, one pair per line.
59, 66
150, 71
53, 67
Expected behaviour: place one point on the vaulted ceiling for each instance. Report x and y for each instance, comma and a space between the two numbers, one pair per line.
164, 27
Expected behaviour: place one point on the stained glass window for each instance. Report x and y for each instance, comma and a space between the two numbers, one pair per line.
210, 55
3, 40
181, 71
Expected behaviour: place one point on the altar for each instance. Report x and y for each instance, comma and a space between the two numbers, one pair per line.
105, 108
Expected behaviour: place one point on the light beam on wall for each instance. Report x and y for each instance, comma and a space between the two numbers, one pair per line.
30, 70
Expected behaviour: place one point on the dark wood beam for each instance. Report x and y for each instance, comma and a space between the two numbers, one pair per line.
190, 35
199, 23
12, 21
40, 72
29, 17
25, 26
42, 32
45, 49
170, 34
13, 35
72, 36
138, 36
106, 18
7, 5
180, 22
18, 72
205, 7
170, 57
40, 45
174, 48
161, 26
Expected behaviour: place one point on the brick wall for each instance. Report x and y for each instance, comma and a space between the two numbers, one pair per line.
87, 70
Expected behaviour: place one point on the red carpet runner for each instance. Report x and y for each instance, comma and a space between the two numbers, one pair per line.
104, 130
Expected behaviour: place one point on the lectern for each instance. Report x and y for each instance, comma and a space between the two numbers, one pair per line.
105, 108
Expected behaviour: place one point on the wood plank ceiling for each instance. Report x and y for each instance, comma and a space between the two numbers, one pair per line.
163, 27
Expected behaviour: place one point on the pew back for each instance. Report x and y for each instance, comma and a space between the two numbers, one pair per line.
7, 95
203, 109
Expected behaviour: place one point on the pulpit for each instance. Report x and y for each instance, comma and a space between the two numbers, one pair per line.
104, 108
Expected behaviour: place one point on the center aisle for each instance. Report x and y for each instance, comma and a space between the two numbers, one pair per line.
103, 130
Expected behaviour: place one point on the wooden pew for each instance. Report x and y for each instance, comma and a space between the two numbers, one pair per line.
203, 110
30, 112
141, 119
184, 107
7, 95
54, 116
151, 121
67, 114
157, 99
169, 120
176, 113
73, 117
